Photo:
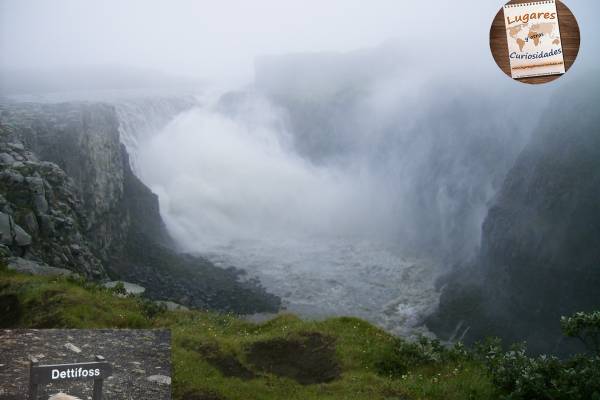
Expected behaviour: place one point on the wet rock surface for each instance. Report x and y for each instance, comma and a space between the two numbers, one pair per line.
540, 247
140, 360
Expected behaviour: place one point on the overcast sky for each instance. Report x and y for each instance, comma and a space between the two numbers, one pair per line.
221, 38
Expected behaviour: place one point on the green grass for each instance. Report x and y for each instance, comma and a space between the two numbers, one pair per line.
199, 337
63, 303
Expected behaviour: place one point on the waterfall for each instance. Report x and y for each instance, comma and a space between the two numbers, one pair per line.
141, 118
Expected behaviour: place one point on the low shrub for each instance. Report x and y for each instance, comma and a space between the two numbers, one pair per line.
151, 309
585, 327
405, 355
521, 377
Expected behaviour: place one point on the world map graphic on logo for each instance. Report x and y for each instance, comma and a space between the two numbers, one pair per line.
529, 36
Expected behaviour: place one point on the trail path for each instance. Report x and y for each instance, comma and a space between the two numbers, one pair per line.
135, 356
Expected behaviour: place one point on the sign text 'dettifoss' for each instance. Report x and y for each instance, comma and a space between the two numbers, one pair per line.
52, 373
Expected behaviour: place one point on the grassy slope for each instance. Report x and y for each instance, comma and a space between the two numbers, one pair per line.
199, 337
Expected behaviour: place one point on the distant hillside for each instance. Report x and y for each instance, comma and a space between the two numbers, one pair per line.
46, 80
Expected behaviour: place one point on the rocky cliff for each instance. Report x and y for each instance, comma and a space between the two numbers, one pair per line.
71, 200
540, 252
41, 215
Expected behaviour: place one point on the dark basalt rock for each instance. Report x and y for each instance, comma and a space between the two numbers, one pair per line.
41, 216
540, 250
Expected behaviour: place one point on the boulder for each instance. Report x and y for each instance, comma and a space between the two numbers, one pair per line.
6, 158
11, 176
30, 223
16, 146
36, 186
25, 266
6, 237
72, 347
172, 306
21, 238
130, 288
160, 379
4, 251
12, 234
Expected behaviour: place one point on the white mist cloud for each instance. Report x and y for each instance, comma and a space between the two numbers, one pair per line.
222, 179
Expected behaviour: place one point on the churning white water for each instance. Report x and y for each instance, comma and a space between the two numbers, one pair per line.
342, 276
232, 188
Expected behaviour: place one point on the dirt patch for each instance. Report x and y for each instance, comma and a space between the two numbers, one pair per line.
227, 364
308, 358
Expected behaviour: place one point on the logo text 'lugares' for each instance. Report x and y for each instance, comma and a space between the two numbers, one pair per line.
525, 18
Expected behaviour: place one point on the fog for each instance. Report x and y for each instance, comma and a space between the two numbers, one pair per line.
221, 39
114, 44
233, 178
194, 38
73, 45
